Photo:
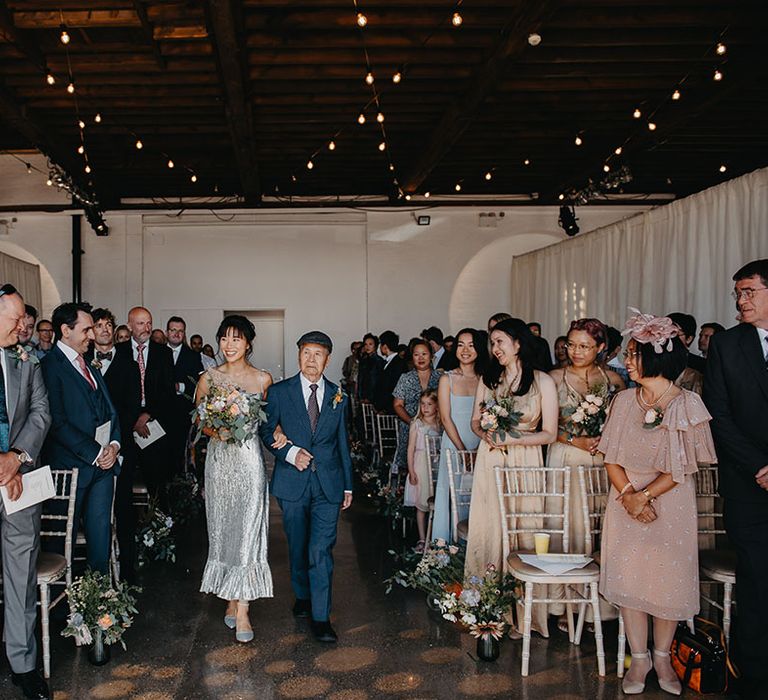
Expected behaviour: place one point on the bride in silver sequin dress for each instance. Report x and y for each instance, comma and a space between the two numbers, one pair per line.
236, 493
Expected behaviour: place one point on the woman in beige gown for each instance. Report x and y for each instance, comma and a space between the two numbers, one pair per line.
576, 445
510, 373
654, 438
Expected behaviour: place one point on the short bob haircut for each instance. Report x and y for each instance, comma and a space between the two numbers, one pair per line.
517, 330
241, 328
668, 363
416, 342
480, 343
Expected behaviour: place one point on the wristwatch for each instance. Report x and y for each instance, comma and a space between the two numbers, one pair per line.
21, 455
648, 495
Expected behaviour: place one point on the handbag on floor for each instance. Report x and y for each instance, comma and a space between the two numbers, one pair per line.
700, 658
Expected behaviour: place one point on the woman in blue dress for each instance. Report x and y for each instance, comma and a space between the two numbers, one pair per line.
456, 394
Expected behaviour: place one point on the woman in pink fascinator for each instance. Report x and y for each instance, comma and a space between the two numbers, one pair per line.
655, 437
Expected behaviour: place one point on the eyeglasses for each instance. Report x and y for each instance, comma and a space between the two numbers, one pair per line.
747, 293
44, 330
583, 348
8, 289
626, 354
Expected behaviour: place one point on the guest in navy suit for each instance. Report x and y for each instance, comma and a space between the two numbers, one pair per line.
312, 479
79, 404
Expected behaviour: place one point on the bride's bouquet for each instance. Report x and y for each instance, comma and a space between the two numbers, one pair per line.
231, 415
588, 417
499, 416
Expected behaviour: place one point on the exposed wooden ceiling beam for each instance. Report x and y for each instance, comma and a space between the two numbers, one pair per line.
484, 82
20, 38
77, 19
223, 18
148, 31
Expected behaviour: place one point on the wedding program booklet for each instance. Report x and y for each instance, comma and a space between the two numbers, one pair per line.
155, 433
37, 486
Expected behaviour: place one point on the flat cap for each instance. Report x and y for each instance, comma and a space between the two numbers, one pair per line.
316, 337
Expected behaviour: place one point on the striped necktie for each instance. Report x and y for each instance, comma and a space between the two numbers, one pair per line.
312, 408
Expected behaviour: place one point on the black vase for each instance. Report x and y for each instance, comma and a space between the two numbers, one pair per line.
99, 653
488, 647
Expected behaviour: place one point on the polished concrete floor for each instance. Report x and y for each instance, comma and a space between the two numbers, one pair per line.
389, 646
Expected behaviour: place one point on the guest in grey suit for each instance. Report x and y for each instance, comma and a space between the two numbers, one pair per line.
24, 422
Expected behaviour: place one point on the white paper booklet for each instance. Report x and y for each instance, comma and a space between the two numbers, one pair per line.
37, 487
155, 433
103, 433
552, 565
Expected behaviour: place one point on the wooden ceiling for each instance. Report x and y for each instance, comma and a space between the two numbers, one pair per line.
243, 93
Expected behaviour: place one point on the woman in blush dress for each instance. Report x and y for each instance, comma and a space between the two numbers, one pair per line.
456, 395
653, 440
510, 374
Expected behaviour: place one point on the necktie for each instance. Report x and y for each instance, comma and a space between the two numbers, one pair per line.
765, 353
312, 408
142, 370
85, 372
5, 427
104, 355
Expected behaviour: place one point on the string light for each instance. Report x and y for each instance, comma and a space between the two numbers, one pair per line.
193, 178
534, 39
561, 197
458, 187
397, 77
361, 119
526, 162
578, 140
171, 164
97, 118
139, 144
332, 146
407, 198
369, 78
676, 95
618, 151
391, 168
81, 149
457, 19
49, 78
651, 126
718, 75
87, 169
362, 20
637, 113
383, 146
720, 49
29, 168
310, 165
49, 182
71, 87
606, 168
723, 168
81, 124
64, 36
427, 194
489, 175
380, 118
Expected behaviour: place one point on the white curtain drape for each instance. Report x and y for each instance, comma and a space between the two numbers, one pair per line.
24, 276
679, 257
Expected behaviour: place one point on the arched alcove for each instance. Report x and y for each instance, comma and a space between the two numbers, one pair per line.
484, 285
48, 288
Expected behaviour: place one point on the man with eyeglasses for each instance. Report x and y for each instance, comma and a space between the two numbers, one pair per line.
44, 338
24, 422
736, 394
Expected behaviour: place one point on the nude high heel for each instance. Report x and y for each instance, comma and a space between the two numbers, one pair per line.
243, 636
674, 687
636, 687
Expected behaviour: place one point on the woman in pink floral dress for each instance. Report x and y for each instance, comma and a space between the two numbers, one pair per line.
655, 436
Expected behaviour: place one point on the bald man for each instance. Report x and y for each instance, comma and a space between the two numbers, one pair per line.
145, 392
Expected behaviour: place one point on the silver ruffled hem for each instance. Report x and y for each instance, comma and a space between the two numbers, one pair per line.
237, 582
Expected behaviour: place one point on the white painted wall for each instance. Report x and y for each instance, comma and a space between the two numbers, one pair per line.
345, 271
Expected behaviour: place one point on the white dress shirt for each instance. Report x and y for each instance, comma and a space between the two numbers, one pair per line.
72, 356
135, 348
104, 363
389, 359
436, 357
180, 386
763, 334
4, 365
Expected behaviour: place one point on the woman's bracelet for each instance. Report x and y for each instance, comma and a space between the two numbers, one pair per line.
626, 488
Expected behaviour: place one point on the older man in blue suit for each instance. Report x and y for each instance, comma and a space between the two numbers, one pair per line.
312, 480
80, 404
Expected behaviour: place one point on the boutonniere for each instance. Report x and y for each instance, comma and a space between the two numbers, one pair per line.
338, 398
22, 353
653, 417
97, 364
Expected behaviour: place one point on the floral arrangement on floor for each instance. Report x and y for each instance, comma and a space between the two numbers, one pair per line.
185, 499
154, 539
588, 418
389, 500
499, 416
231, 414
96, 606
438, 570
481, 603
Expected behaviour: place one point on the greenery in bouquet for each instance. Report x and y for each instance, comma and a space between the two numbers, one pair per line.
230, 414
588, 417
97, 605
389, 499
154, 539
439, 569
481, 603
498, 415
185, 499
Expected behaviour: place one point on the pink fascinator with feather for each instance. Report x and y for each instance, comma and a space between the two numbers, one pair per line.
647, 328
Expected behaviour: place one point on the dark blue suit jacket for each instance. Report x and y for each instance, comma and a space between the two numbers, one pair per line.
328, 446
76, 412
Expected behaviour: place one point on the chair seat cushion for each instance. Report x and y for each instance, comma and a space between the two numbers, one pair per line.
718, 564
462, 529
527, 572
50, 567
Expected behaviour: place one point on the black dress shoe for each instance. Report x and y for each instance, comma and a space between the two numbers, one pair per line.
32, 684
324, 632
302, 608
